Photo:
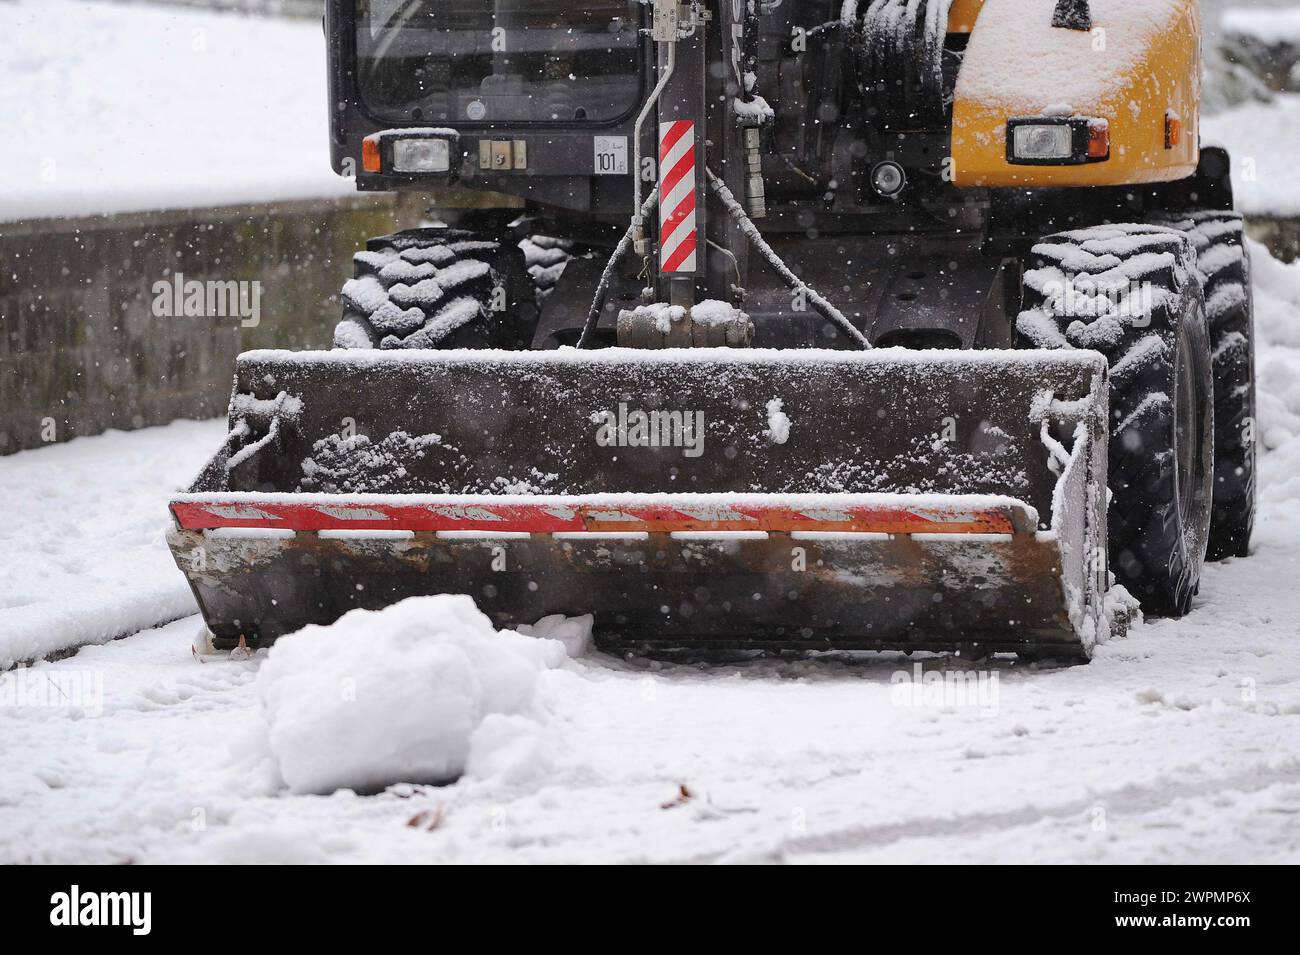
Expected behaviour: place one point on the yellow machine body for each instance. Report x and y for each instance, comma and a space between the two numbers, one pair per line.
1138, 68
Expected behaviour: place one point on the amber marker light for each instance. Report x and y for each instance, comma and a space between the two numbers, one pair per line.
1098, 139
370, 161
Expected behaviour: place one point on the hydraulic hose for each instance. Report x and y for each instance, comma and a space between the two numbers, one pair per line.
602, 287
829, 311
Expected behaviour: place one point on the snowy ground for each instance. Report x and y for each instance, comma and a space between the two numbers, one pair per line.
1181, 744
82, 556
125, 107
1178, 744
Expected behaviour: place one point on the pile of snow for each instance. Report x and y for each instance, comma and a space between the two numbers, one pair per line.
754, 112
573, 632
127, 107
351, 464
778, 422
713, 312
423, 691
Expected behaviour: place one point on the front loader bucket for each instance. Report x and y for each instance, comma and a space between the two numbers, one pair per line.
711, 498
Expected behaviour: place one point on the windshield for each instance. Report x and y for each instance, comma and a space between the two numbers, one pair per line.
498, 60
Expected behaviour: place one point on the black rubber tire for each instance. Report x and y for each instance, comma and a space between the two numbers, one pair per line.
438, 288
546, 257
1223, 268
1161, 449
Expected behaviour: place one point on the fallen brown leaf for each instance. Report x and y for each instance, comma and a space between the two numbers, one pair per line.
684, 795
428, 819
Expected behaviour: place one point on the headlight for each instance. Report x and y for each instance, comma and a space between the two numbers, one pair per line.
1051, 141
1042, 142
421, 155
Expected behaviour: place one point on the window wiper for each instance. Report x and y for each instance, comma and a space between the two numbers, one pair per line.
392, 26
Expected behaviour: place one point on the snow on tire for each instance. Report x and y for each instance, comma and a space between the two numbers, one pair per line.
1223, 269
437, 288
1131, 293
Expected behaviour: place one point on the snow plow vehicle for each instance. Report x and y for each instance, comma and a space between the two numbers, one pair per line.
789, 324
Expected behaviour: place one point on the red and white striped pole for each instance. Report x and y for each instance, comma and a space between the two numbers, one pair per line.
678, 235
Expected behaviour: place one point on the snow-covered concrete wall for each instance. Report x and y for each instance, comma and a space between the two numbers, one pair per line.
96, 332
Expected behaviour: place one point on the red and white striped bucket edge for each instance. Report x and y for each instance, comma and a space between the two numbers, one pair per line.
550, 515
